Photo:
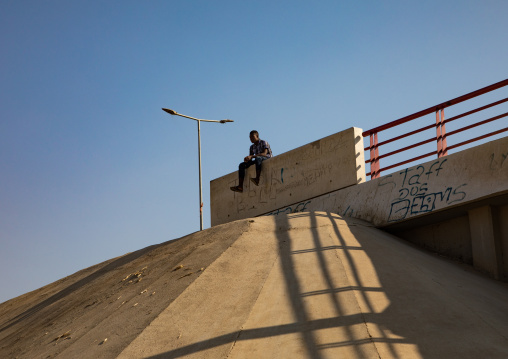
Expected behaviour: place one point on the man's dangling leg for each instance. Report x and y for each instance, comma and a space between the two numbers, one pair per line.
241, 174
259, 161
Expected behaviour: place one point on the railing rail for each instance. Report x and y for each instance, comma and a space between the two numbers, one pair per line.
440, 125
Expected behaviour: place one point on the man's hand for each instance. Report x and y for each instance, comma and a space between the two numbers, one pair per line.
247, 159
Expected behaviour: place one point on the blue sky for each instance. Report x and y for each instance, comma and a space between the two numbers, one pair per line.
92, 168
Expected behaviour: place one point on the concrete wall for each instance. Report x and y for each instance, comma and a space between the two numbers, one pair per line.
436, 185
450, 237
502, 212
479, 237
323, 166
486, 241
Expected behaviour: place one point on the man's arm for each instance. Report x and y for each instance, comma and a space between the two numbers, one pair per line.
264, 146
264, 154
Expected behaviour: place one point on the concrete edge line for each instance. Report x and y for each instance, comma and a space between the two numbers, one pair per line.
185, 290
334, 238
124, 353
257, 297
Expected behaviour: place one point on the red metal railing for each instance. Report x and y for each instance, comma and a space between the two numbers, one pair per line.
440, 125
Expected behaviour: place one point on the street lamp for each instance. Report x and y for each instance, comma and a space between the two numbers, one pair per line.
171, 112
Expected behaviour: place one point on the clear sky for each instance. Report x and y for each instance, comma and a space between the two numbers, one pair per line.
92, 168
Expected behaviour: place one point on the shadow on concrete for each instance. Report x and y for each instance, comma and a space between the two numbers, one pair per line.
303, 324
361, 289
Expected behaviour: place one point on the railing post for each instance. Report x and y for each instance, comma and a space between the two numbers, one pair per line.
374, 154
443, 134
378, 172
372, 157
438, 135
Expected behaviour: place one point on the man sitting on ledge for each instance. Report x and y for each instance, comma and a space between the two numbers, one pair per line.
259, 151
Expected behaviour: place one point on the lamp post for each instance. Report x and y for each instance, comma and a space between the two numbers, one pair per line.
171, 112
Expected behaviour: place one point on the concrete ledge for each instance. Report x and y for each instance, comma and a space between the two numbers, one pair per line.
323, 166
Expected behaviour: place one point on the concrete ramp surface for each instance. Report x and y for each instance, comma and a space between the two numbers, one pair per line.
306, 285
315, 285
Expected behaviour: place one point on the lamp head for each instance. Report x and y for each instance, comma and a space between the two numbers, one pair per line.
171, 112
226, 120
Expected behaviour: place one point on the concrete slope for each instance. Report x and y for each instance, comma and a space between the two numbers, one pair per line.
315, 285
307, 285
114, 300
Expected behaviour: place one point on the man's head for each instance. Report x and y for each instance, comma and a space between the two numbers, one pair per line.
254, 136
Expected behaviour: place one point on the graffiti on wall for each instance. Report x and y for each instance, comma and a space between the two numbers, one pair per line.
287, 179
277, 181
412, 191
299, 207
413, 196
497, 161
348, 212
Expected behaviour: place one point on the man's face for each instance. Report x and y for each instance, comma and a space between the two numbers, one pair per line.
254, 138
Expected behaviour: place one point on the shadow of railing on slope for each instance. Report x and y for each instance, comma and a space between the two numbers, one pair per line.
305, 326
360, 288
